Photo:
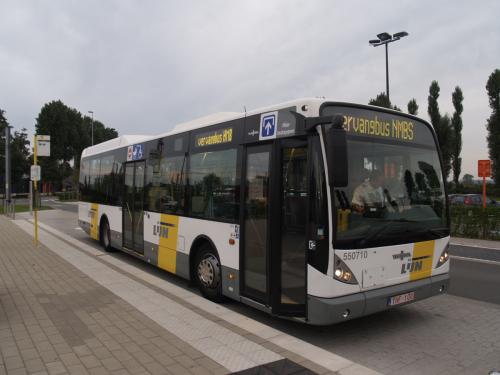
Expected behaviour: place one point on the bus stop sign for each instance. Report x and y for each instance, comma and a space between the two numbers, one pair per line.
36, 172
484, 168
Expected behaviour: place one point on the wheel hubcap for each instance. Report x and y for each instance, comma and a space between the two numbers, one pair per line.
208, 271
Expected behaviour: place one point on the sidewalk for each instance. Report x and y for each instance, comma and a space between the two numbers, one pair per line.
69, 308
482, 250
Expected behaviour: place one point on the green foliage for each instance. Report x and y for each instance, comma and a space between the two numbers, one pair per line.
442, 126
467, 179
20, 160
70, 134
475, 222
413, 107
456, 125
383, 101
493, 123
19, 157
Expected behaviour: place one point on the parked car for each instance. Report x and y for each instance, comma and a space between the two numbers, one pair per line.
470, 200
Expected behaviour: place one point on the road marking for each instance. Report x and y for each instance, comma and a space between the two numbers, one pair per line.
476, 260
476, 246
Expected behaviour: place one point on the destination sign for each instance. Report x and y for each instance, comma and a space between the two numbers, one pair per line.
215, 137
366, 122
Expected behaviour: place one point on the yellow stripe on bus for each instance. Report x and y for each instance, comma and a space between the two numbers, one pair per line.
423, 255
94, 226
167, 246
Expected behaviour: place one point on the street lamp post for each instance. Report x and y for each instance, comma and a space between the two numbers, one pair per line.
384, 39
92, 113
8, 187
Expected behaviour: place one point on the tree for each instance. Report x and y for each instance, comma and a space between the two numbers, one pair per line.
382, 101
413, 107
70, 133
441, 126
493, 124
456, 125
468, 179
19, 157
20, 161
433, 106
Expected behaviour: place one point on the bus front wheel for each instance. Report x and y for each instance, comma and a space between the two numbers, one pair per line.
208, 273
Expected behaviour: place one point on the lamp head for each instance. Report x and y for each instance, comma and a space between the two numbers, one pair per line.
401, 34
384, 36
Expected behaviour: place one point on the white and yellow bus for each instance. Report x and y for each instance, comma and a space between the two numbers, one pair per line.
278, 208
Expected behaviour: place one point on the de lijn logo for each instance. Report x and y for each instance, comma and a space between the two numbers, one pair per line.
268, 123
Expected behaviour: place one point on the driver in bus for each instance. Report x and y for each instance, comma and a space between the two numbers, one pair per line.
371, 196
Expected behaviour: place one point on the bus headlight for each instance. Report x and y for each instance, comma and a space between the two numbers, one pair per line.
443, 258
342, 272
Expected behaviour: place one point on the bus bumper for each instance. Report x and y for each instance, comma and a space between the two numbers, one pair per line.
85, 226
324, 311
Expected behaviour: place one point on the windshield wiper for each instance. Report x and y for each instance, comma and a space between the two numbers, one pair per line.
438, 232
400, 220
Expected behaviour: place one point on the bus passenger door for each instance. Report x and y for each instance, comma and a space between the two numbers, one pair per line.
289, 222
133, 207
255, 224
273, 257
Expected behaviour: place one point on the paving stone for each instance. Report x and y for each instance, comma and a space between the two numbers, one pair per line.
19, 371
12, 363
55, 368
34, 365
111, 364
90, 361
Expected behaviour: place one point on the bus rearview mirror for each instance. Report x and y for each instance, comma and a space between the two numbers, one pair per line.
337, 154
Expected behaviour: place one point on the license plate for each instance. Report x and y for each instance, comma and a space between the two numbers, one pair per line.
402, 298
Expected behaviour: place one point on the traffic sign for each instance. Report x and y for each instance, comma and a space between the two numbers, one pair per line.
36, 173
43, 145
484, 168
268, 125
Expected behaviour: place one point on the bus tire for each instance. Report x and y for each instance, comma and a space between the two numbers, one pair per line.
208, 273
106, 236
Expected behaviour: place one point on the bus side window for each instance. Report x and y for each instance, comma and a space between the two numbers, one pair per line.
106, 176
84, 180
94, 180
165, 184
213, 184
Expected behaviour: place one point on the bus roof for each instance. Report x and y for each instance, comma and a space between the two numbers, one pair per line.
216, 118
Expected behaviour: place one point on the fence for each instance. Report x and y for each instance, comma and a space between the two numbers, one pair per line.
9, 208
475, 222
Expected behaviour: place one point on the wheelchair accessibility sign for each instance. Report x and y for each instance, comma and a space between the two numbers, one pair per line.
135, 152
268, 125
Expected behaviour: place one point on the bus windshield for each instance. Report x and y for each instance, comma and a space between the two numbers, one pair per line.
395, 192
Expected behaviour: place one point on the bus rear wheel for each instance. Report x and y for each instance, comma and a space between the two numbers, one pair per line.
207, 270
106, 236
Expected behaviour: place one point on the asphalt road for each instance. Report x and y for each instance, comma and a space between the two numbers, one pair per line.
456, 333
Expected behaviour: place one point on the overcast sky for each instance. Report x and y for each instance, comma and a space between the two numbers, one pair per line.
143, 66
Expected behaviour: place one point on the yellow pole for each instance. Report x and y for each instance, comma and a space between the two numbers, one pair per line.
35, 190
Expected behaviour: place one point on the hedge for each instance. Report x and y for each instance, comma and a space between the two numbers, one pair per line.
475, 222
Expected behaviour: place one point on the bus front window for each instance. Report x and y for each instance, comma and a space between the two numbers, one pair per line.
395, 195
